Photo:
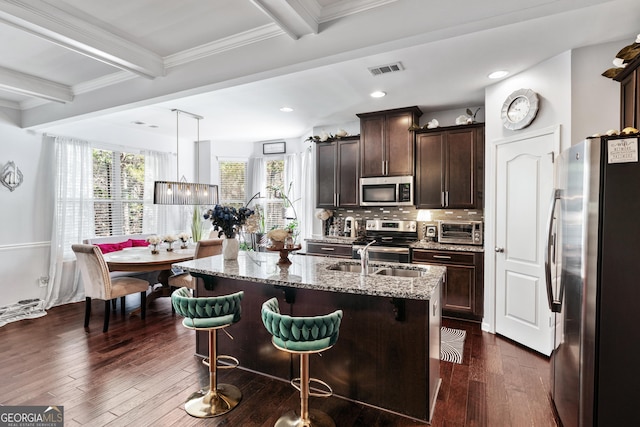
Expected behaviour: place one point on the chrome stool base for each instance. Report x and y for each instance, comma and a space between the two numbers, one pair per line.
204, 404
316, 419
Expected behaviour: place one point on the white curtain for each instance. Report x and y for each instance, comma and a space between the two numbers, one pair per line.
73, 215
297, 169
258, 177
159, 219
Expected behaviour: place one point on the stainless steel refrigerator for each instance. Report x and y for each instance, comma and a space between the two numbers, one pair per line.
593, 283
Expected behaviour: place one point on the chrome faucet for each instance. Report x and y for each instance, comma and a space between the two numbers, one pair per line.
364, 259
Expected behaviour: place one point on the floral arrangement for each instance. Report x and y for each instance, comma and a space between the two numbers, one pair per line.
184, 236
170, 238
228, 220
154, 240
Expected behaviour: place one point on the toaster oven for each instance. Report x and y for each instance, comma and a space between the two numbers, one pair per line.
460, 232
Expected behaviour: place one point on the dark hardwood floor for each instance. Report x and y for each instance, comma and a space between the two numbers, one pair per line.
141, 371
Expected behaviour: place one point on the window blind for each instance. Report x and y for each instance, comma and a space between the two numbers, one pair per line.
233, 183
118, 192
274, 205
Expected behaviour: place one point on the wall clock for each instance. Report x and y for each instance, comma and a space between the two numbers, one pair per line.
519, 109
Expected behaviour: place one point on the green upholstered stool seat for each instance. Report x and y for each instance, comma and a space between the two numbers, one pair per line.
210, 314
298, 334
303, 336
206, 312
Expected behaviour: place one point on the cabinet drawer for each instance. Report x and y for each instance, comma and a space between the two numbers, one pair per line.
441, 257
329, 249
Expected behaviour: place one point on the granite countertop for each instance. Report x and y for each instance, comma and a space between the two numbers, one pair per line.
312, 273
331, 239
446, 247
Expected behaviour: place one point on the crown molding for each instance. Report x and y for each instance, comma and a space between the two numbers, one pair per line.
342, 9
10, 104
69, 31
26, 84
222, 45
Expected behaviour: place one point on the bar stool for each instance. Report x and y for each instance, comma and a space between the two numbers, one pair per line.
303, 336
210, 314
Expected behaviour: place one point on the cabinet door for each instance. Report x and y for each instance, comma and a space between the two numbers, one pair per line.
629, 98
429, 170
460, 171
326, 155
348, 173
458, 295
399, 144
372, 146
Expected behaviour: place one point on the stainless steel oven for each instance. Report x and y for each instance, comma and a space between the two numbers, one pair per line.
392, 240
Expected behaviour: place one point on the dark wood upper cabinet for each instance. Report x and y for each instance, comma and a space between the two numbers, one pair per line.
629, 80
386, 143
449, 167
338, 173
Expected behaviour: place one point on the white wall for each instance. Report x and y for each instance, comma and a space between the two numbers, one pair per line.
572, 95
25, 214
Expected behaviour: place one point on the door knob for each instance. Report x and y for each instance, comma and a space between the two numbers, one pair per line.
499, 250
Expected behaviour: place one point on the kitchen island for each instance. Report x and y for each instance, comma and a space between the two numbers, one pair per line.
388, 352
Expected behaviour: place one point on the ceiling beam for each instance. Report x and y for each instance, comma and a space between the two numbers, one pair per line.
297, 18
26, 84
69, 31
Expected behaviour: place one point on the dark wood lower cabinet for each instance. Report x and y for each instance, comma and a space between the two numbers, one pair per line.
330, 249
463, 291
387, 354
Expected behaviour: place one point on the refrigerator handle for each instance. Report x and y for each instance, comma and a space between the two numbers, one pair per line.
554, 305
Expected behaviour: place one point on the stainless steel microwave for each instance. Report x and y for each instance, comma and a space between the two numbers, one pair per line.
386, 191
460, 232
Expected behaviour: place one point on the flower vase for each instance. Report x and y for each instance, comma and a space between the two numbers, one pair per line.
170, 247
184, 245
230, 248
154, 249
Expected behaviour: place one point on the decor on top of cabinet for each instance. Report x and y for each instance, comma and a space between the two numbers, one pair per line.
467, 119
432, 124
623, 57
328, 137
11, 176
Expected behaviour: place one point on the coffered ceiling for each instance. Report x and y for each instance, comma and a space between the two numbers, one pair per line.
70, 66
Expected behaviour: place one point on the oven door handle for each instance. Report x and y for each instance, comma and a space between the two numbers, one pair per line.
382, 249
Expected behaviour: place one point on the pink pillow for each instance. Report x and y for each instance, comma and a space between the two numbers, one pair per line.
136, 243
109, 247
113, 247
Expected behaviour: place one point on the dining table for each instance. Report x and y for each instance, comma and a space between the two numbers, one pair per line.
140, 259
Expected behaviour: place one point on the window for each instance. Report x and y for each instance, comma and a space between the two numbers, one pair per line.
118, 191
274, 204
233, 183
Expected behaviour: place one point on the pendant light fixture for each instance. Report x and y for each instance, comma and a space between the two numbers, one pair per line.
181, 192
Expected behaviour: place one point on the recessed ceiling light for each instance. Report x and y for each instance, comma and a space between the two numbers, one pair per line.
378, 94
498, 74
286, 109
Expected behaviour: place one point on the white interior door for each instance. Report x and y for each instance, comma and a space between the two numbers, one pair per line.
524, 183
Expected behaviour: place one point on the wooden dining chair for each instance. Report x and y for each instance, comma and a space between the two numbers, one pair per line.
98, 284
204, 248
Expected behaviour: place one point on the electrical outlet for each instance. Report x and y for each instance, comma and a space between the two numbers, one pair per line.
43, 281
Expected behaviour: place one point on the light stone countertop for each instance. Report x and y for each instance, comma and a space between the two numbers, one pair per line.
309, 272
446, 247
331, 239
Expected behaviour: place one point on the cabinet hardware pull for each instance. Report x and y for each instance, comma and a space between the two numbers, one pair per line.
442, 257
446, 198
499, 250
328, 249
442, 198
338, 199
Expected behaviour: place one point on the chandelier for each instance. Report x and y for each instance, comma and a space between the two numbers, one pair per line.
181, 192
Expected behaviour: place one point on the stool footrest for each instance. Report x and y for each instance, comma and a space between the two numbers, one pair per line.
234, 362
318, 392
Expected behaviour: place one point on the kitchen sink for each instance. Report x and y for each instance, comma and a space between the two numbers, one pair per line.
350, 268
399, 272
377, 270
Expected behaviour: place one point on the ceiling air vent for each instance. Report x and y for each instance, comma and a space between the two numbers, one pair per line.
384, 69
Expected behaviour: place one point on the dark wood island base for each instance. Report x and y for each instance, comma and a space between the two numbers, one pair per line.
387, 355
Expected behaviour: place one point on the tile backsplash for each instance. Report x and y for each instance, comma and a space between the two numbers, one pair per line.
401, 213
